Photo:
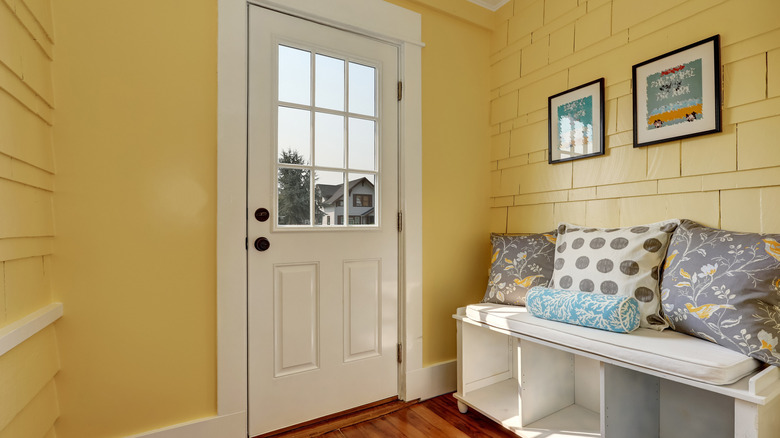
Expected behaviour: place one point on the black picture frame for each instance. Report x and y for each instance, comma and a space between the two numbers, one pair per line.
575, 123
678, 94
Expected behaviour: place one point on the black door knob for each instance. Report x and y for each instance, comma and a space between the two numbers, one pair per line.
262, 214
262, 244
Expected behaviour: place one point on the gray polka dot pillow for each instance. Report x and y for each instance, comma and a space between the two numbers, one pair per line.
615, 261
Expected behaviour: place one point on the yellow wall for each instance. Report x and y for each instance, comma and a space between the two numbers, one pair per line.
28, 395
455, 80
135, 206
542, 47
28, 403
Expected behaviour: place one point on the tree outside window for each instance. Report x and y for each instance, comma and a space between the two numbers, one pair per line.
294, 186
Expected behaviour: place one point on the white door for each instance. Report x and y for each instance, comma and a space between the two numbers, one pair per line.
323, 266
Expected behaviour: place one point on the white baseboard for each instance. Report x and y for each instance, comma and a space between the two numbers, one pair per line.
422, 383
224, 426
432, 381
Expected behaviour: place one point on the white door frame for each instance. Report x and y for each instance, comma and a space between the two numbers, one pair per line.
374, 18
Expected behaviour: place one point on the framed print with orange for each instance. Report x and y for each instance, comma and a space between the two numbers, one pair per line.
677, 94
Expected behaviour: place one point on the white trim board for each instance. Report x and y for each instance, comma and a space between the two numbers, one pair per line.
433, 381
222, 426
231, 207
19, 331
374, 18
378, 19
492, 5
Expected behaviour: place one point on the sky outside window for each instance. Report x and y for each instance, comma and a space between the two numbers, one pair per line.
331, 146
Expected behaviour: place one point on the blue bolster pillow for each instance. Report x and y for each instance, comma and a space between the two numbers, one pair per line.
606, 312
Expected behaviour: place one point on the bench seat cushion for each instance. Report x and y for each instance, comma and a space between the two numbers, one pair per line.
668, 352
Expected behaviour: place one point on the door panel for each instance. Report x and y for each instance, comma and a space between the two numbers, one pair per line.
323, 159
362, 309
296, 310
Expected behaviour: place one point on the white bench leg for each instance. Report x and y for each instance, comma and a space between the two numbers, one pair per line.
462, 407
755, 421
745, 419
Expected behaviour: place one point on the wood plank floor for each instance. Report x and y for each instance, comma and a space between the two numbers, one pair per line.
437, 417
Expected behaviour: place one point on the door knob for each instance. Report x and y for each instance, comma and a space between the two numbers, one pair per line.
262, 244
262, 214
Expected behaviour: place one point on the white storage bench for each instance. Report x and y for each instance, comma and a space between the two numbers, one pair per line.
546, 379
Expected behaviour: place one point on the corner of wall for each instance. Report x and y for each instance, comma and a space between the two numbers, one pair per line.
29, 359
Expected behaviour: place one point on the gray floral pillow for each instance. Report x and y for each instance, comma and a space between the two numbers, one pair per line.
519, 263
724, 287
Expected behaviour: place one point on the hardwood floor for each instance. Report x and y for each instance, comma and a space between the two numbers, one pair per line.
437, 417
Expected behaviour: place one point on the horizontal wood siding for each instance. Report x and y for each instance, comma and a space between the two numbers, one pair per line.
729, 180
28, 394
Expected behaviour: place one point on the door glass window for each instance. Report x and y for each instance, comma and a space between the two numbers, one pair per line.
294, 196
362, 144
294, 136
327, 141
361, 89
329, 87
295, 68
362, 192
328, 197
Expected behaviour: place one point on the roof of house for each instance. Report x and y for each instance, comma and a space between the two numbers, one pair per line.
339, 193
327, 190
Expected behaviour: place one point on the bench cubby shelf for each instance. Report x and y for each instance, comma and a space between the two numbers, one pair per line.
541, 389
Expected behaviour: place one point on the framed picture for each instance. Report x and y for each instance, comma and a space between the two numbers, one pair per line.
576, 123
677, 95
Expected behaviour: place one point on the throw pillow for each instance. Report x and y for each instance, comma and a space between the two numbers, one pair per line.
606, 312
615, 261
517, 264
725, 287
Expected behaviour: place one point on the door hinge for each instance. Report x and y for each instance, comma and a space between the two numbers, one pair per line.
399, 353
400, 221
400, 90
